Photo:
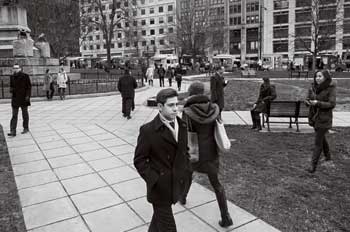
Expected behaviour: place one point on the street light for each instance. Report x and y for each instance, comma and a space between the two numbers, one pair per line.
261, 8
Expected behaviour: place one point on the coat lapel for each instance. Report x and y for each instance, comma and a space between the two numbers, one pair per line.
164, 132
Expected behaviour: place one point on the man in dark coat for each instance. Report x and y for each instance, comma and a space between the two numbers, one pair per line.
161, 74
20, 87
162, 160
217, 84
126, 86
267, 93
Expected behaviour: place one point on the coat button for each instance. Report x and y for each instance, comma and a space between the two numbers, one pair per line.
168, 157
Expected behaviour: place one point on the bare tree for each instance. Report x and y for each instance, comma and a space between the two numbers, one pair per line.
324, 17
58, 21
109, 18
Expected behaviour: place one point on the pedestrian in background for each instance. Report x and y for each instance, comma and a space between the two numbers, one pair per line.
150, 75
322, 100
201, 115
126, 86
161, 74
20, 88
162, 160
62, 83
267, 93
169, 75
217, 85
48, 86
178, 77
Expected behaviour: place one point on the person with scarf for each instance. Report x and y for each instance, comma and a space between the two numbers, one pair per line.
322, 100
202, 115
267, 93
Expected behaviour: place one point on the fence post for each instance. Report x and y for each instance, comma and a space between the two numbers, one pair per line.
37, 89
2, 89
69, 87
96, 86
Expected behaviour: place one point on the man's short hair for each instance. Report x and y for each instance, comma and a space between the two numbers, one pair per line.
164, 94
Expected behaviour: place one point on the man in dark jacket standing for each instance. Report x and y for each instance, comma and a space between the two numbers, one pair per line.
217, 84
162, 160
126, 86
20, 87
161, 74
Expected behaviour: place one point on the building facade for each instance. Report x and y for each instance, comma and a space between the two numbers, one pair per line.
148, 31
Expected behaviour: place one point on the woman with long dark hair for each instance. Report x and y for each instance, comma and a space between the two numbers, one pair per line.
322, 100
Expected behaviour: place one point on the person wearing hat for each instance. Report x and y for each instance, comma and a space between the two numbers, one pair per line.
267, 93
200, 115
20, 88
322, 100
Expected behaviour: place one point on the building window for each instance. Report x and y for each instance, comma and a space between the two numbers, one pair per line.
135, 33
151, 21
134, 13
91, 47
327, 29
280, 32
142, 2
112, 45
170, 7
161, 31
303, 3
346, 26
151, 32
327, 44
302, 44
252, 40
303, 15
153, 42
97, 37
127, 44
302, 30
135, 44
144, 43
134, 23
120, 45
143, 32
253, 6
346, 42
160, 9
161, 42
328, 13
143, 22
119, 35
280, 46
170, 30
151, 10
170, 19
235, 42
280, 4
143, 11
161, 20
280, 17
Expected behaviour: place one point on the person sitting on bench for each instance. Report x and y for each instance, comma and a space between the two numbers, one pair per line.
267, 93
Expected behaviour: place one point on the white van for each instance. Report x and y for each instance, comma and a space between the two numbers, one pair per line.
230, 62
166, 60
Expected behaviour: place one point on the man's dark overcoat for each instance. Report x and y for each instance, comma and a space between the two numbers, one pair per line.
162, 162
20, 87
217, 84
126, 86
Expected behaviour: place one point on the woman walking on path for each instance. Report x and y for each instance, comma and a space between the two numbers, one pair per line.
200, 115
62, 83
322, 100
150, 75
178, 77
48, 85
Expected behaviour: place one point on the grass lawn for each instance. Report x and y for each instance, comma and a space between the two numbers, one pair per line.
264, 174
11, 218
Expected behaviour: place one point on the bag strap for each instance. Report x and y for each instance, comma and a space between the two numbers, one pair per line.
189, 123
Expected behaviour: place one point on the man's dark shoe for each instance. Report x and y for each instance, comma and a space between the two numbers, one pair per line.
311, 169
25, 131
11, 134
128, 117
226, 221
328, 157
253, 127
182, 201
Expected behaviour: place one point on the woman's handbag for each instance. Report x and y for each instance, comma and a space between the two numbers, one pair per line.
221, 138
192, 138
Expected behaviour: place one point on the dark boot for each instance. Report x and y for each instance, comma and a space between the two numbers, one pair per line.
12, 134
253, 120
311, 169
258, 124
226, 219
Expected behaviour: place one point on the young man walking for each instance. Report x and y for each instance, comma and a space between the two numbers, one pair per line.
126, 86
162, 160
20, 88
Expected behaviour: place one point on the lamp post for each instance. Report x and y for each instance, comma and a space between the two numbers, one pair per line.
261, 25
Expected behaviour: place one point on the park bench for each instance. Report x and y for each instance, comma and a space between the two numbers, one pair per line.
248, 73
294, 110
299, 74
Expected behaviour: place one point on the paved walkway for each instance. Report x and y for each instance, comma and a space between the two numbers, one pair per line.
74, 170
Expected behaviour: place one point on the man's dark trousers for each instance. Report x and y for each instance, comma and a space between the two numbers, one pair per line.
14, 119
163, 219
126, 106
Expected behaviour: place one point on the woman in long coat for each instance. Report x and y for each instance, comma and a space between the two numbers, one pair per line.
48, 85
267, 93
322, 100
150, 75
62, 83
200, 115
